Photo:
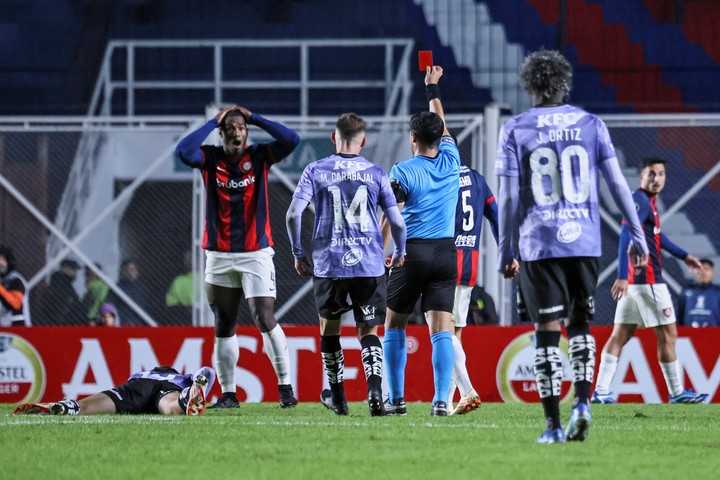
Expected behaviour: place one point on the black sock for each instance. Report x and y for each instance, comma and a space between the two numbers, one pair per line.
334, 362
582, 362
548, 374
230, 395
372, 359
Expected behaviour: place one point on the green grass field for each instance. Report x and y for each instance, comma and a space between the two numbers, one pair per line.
263, 441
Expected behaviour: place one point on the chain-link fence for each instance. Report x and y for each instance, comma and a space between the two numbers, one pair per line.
101, 212
110, 199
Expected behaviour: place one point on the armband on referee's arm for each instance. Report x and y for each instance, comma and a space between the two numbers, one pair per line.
400, 194
432, 91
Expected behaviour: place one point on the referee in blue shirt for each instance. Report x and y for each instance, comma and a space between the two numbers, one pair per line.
426, 188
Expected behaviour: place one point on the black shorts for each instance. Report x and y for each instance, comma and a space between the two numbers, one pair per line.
558, 288
367, 298
140, 395
430, 271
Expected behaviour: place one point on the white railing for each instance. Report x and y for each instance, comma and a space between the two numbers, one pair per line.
395, 84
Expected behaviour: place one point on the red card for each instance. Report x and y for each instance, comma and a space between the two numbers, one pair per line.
425, 59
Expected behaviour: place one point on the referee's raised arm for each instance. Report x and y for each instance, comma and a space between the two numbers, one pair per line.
432, 77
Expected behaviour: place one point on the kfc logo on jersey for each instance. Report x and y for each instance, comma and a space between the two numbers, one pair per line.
556, 119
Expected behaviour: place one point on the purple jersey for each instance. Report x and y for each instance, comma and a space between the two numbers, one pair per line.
556, 153
347, 241
178, 379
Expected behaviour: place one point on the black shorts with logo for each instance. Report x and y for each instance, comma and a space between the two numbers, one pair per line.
557, 288
367, 298
140, 395
430, 271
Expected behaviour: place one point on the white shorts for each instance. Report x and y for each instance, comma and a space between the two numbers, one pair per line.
461, 305
254, 272
645, 306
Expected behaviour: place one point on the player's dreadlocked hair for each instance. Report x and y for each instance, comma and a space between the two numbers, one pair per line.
547, 74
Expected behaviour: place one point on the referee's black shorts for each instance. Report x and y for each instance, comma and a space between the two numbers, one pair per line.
430, 271
140, 395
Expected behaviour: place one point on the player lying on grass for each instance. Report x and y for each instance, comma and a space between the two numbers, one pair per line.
161, 390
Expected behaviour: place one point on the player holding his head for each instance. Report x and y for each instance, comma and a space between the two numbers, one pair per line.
426, 187
642, 296
347, 254
161, 390
548, 160
237, 239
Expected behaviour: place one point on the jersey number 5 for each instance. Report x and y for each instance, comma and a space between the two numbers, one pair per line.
468, 222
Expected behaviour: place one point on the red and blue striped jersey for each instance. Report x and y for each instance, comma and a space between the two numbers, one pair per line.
237, 214
656, 241
475, 200
237, 217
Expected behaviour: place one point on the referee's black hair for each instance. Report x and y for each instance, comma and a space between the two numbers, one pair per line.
546, 74
649, 162
428, 128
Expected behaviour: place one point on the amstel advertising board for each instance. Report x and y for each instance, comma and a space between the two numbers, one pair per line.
50, 363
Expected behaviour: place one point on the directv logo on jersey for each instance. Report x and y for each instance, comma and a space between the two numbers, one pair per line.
232, 184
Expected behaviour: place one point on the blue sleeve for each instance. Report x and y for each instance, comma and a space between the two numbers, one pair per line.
285, 139
623, 244
671, 248
188, 149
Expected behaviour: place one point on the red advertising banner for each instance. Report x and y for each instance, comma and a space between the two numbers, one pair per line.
50, 363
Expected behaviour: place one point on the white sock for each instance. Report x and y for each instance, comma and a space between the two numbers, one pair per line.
275, 345
460, 373
451, 395
606, 372
225, 356
673, 377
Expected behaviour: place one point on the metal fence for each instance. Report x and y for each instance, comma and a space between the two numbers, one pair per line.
101, 192
105, 194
